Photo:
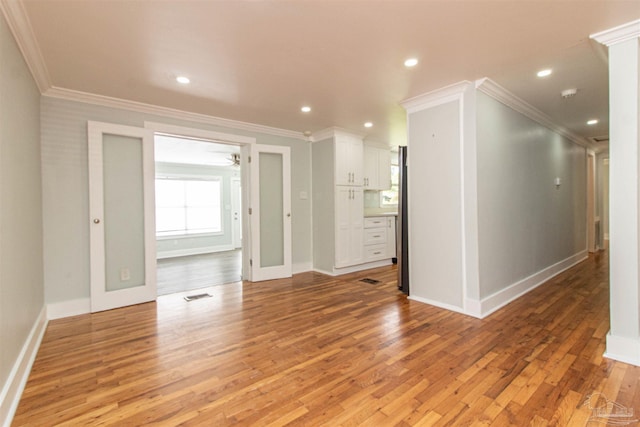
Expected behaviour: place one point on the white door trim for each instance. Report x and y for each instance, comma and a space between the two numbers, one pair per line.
235, 187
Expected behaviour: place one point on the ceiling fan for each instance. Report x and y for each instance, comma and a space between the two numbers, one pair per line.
234, 159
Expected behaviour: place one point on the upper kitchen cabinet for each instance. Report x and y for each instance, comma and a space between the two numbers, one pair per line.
348, 159
377, 168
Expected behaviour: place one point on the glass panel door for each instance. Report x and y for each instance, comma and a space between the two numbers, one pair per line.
271, 212
122, 220
123, 212
272, 216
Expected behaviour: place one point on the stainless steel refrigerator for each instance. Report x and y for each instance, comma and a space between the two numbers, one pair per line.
402, 233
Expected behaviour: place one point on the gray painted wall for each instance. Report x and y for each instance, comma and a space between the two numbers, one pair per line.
323, 205
66, 194
21, 283
165, 246
526, 224
435, 235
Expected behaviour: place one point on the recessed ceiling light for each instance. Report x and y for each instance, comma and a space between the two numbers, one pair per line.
305, 109
411, 62
183, 80
368, 124
592, 122
544, 73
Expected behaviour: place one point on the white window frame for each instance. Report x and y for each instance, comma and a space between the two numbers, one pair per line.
191, 177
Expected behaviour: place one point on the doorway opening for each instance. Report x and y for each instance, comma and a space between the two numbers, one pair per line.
198, 213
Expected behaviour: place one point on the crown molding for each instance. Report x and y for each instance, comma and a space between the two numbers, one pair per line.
20, 27
437, 97
619, 34
140, 107
500, 94
332, 132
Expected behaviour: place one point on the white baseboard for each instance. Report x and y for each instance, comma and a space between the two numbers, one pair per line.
301, 267
193, 251
17, 379
623, 349
74, 307
503, 297
355, 268
319, 270
437, 304
473, 307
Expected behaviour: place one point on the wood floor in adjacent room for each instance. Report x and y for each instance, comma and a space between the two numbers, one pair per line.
188, 273
316, 350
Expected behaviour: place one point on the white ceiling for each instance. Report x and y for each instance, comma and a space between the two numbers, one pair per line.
170, 149
260, 61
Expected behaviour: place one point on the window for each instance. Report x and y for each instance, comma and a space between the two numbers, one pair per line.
390, 197
188, 206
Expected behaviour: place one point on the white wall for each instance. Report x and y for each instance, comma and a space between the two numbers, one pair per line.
65, 192
323, 196
21, 283
434, 196
526, 223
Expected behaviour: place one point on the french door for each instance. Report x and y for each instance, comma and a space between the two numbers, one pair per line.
270, 212
122, 216
122, 211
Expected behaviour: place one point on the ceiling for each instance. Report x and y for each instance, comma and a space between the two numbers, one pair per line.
170, 149
261, 61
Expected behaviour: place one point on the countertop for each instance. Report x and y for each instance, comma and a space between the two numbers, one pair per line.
379, 212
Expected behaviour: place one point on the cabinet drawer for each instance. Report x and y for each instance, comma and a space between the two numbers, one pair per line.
374, 252
376, 221
374, 236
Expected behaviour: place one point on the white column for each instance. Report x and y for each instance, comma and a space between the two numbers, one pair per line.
623, 340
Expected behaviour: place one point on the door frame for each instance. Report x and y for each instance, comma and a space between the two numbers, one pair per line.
236, 182
99, 297
245, 143
592, 239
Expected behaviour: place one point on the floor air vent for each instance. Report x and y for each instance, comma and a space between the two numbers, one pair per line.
370, 281
195, 297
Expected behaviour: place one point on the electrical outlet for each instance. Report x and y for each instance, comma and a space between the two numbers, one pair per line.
125, 274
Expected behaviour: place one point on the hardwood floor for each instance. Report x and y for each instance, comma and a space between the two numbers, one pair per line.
193, 272
316, 350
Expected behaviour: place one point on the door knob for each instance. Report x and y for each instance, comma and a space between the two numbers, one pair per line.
96, 221
288, 215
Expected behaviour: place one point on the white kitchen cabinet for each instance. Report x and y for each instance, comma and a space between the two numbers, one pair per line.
348, 160
377, 168
391, 237
379, 238
338, 202
349, 222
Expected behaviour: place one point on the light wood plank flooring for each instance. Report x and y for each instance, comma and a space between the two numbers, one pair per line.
193, 272
315, 350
